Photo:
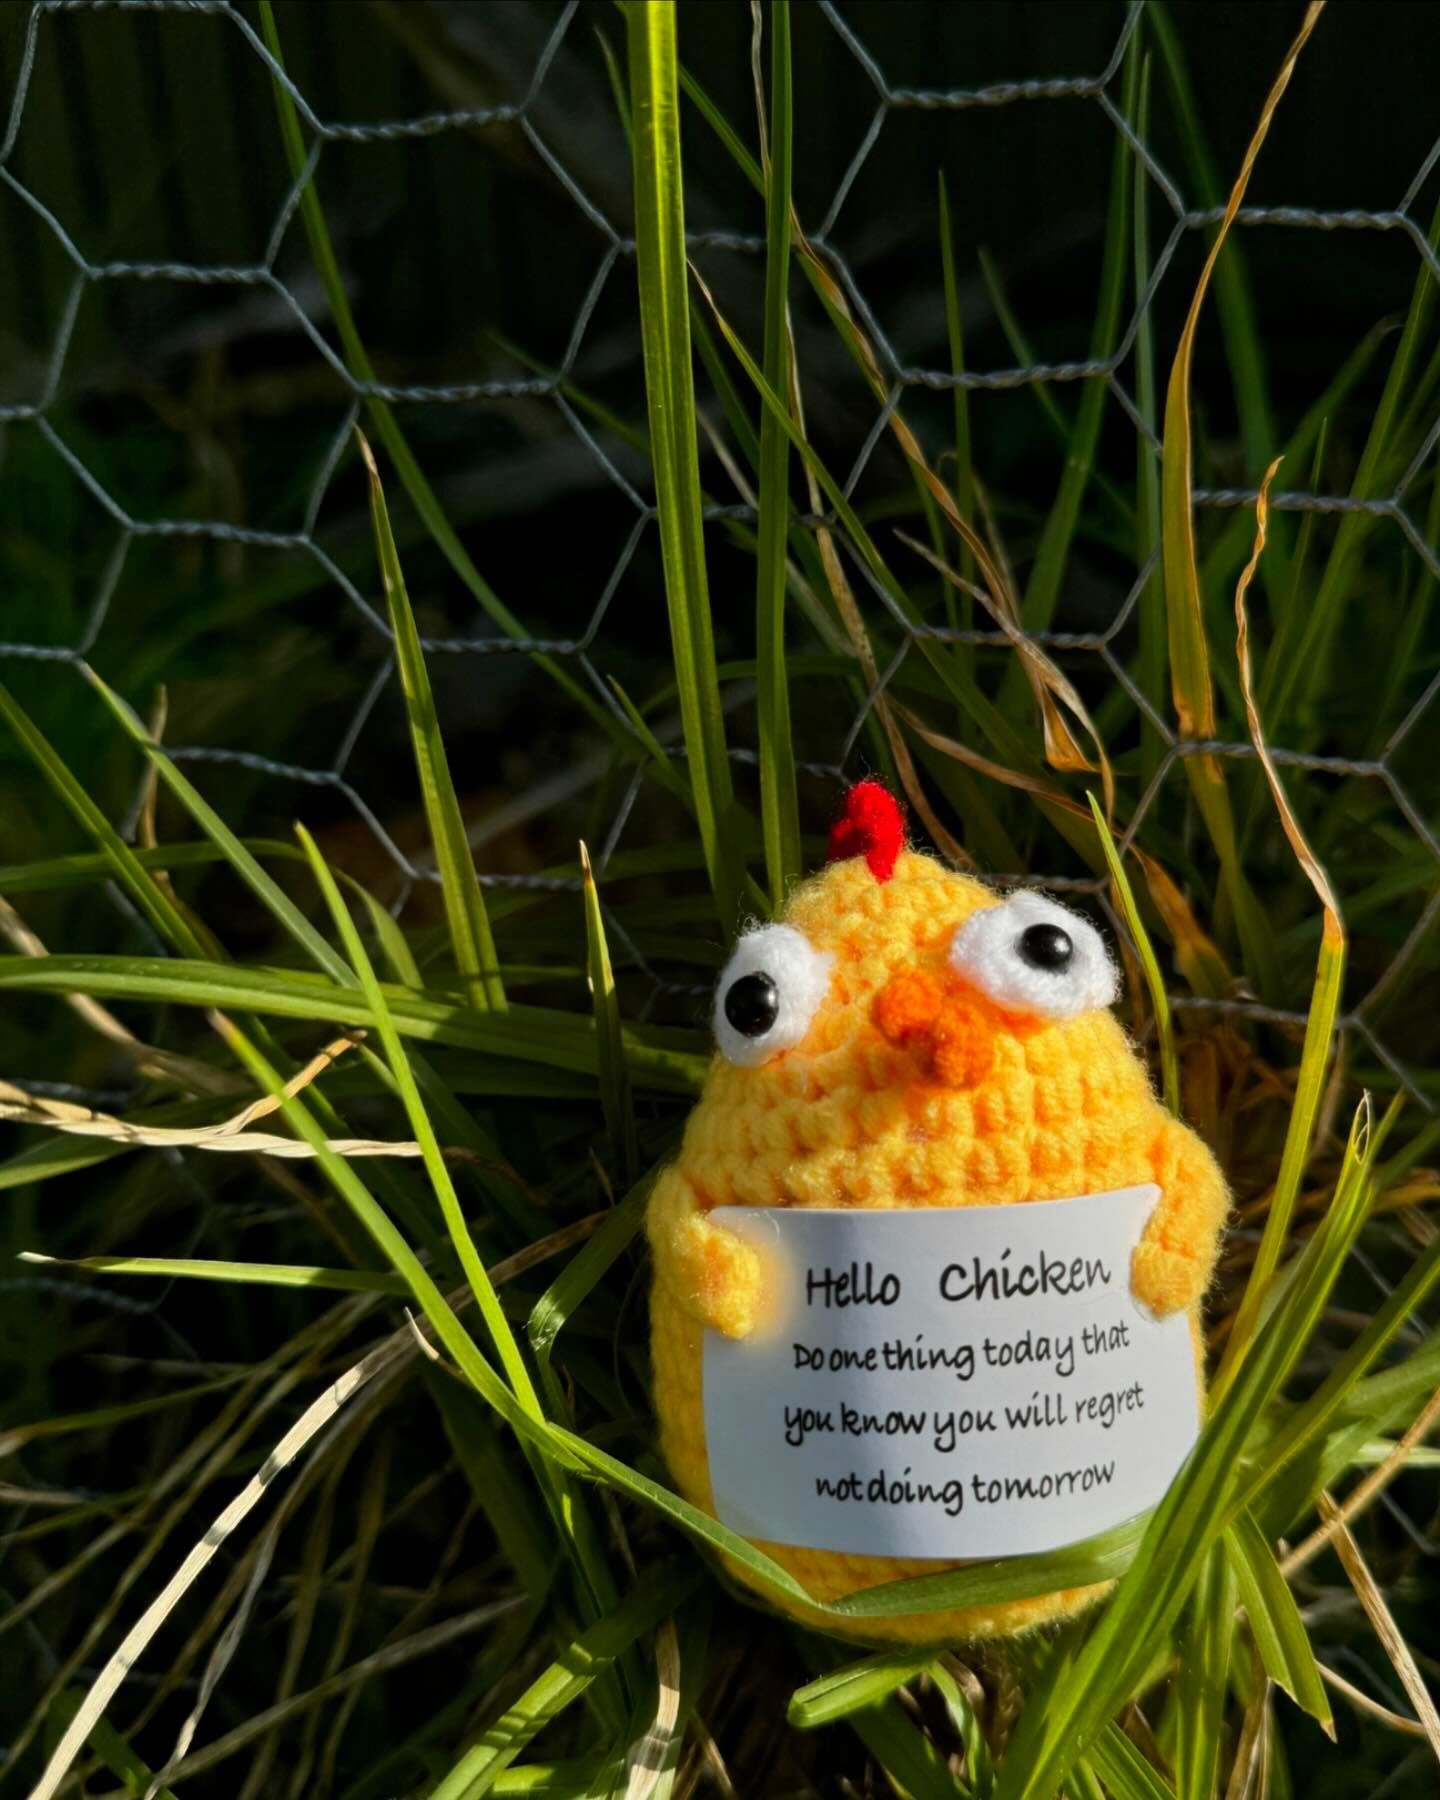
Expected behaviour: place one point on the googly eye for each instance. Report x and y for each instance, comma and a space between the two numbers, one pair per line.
1032, 956
770, 991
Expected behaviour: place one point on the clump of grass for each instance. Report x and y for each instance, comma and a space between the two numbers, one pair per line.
472, 1454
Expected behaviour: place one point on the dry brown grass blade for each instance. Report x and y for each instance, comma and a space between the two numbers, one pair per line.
24, 1108
1362, 1702
1365, 1491
1189, 650
649, 1754
290, 1445
1304, 855
392, 1656
1047, 679
1061, 749
1250, 1751
843, 596
1199, 958
1368, 1593
160, 1065
204, 1459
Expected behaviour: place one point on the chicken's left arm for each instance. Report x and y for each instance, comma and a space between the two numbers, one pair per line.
1174, 1260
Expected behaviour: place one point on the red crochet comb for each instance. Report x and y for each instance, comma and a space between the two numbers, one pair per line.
873, 826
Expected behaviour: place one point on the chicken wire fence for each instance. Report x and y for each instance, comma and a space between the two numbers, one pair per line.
45, 378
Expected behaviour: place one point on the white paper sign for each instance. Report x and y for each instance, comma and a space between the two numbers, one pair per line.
948, 1382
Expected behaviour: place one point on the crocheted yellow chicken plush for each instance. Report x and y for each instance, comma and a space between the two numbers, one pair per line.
904, 1036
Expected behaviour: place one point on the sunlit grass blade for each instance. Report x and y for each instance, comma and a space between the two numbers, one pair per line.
1191, 683
470, 936
191, 1268
1275, 1622
436, 1167
114, 1750
497, 1484
569, 1516
1124, 1771
118, 858
258, 879
1201, 1678
1244, 344
658, 1056
1195, 1510
979, 1765
1094, 1560
912, 1763
614, 1077
565, 1680
1145, 950
1345, 1392
670, 391
1324, 1002
779, 808
585, 1271
856, 1685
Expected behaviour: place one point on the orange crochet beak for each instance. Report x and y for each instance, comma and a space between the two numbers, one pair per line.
945, 1018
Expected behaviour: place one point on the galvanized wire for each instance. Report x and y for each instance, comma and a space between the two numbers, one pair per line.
1096, 91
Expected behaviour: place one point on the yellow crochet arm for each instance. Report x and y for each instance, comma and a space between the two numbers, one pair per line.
1175, 1257
712, 1273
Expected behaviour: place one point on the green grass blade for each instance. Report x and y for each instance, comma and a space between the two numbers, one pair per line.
1309, 1091
1195, 1510
1154, 649
465, 913
1345, 1388
436, 1167
387, 429
1244, 345
1201, 1678
583, 1273
658, 1057
117, 857
779, 808
569, 1516
979, 1767
609, 1045
962, 616
1124, 1771
499, 1489
1275, 1622
1189, 650
1047, 574
1096, 1559
670, 392
260, 882
857, 1685
1337, 584
565, 1680
190, 1268
1145, 950
912, 1763
114, 1751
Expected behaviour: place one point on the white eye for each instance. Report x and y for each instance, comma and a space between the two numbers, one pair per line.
769, 993
1030, 955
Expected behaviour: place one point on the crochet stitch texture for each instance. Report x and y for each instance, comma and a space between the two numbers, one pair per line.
909, 1089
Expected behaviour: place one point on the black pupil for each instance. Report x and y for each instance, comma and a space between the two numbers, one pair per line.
1046, 947
752, 1004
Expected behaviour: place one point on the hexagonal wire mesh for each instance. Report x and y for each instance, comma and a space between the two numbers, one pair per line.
278, 277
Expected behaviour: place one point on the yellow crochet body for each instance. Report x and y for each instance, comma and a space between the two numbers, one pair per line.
974, 1106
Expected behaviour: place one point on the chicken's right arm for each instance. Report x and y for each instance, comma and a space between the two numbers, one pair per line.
712, 1273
